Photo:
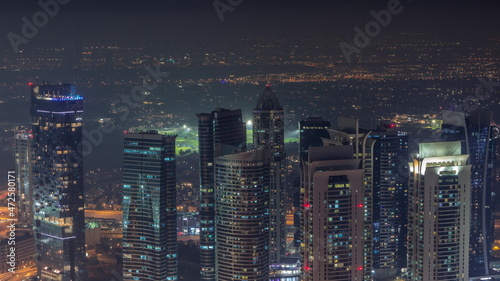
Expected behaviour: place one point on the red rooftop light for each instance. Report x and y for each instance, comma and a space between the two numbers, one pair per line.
360, 205
30, 84
360, 268
307, 205
307, 268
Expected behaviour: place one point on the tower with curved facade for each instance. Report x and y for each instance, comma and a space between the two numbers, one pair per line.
220, 132
242, 218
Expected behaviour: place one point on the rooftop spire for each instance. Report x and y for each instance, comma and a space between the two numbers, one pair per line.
267, 100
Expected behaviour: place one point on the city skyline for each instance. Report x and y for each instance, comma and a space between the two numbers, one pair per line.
233, 140
359, 139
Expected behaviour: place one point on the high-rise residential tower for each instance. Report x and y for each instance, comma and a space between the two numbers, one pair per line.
23, 158
58, 196
311, 130
149, 207
478, 137
350, 133
221, 132
268, 132
439, 213
242, 216
390, 200
334, 210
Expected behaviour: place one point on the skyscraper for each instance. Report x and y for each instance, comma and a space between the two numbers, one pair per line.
311, 130
24, 198
268, 132
149, 207
333, 221
390, 200
58, 195
350, 133
242, 216
478, 137
221, 132
439, 213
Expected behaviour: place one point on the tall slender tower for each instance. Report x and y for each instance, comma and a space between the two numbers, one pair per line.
221, 132
23, 158
312, 130
333, 222
242, 218
149, 207
390, 202
478, 137
268, 132
439, 213
58, 195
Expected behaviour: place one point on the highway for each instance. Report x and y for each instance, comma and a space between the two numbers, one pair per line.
19, 274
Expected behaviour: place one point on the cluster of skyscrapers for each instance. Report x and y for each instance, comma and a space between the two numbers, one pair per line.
367, 209
242, 208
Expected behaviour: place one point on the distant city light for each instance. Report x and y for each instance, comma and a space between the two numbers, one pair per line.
63, 98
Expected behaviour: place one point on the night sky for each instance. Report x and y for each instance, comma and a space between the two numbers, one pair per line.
273, 18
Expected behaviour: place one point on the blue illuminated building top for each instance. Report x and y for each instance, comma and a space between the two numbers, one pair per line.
64, 98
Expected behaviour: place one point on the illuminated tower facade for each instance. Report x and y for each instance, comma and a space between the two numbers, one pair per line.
390, 202
149, 207
363, 146
58, 197
439, 213
220, 132
24, 198
268, 132
242, 216
334, 210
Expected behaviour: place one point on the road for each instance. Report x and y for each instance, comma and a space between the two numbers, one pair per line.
19, 274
